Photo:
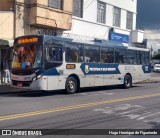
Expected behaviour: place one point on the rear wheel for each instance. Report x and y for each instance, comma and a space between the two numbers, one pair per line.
127, 81
71, 85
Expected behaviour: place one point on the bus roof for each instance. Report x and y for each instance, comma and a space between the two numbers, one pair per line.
96, 42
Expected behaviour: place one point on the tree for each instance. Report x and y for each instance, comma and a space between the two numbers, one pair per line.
156, 56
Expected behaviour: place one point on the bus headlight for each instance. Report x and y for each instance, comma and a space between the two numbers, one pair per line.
37, 77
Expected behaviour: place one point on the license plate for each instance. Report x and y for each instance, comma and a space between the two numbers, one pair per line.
19, 84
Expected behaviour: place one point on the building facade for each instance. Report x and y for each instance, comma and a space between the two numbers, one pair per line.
95, 18
152, 38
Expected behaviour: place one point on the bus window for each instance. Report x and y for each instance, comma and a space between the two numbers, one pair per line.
74, 53
131, 57
120, 56
142, 57
26, 56
147, 58
92, 54
138, 58
107, 55
53, 56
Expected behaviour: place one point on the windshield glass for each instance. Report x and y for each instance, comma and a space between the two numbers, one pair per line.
28, 56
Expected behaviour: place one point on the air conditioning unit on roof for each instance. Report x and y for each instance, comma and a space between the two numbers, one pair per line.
136, 36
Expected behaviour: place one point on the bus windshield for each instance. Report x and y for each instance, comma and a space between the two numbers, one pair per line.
27, 56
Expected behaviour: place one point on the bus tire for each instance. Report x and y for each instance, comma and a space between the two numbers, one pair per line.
127, 81
71, 85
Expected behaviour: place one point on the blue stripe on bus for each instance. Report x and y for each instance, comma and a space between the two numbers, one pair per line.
38, 72
93, 68
146, 68
51, 72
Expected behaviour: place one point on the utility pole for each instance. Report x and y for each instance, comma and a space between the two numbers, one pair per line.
151, 52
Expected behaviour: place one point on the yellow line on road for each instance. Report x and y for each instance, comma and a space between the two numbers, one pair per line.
59, 109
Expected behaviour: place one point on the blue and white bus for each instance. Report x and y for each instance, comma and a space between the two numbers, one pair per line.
51, 63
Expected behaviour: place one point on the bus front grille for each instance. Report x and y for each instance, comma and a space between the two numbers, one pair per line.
21, 83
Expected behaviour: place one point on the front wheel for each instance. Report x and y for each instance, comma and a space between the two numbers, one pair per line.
71, 85
127, 81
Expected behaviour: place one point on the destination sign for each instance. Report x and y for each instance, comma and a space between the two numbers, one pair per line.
28, 40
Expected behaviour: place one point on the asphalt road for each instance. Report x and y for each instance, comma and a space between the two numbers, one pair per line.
100, 108
155, 74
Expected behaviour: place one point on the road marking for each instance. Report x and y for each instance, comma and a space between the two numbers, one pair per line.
137, 112
119, 109
97, 94
59, 109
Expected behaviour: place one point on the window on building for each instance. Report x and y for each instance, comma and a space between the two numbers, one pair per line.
101, 12
78, 8
55, 4
129, 24
116, 17
6, 5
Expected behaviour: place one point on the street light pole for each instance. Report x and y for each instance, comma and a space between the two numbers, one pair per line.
151, 55
151, 51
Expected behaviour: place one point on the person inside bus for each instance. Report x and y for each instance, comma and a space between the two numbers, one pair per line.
87, 59
30, 56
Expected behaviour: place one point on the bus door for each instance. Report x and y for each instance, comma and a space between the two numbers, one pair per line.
94, 76
53, 61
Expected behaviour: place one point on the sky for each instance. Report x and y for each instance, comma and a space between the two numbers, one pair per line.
148, 14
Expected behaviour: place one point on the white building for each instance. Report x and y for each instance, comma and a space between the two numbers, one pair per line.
94, 18
153, 40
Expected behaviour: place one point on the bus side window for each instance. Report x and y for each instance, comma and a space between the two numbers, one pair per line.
120, 55
54, 54
70, 55
87, 59
73, 53
107, 55
47, 55
92, 54
132, 57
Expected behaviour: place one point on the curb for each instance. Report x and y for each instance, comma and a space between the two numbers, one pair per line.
148, 81
8, 89
17, 92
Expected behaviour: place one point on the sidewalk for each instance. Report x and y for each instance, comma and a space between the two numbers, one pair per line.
151, 80
8, 89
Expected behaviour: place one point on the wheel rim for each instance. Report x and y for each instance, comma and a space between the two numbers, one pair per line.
71, 85
127, 81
